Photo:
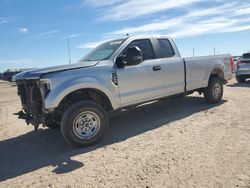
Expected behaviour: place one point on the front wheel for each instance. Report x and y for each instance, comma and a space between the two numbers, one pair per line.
214, 91
84, 123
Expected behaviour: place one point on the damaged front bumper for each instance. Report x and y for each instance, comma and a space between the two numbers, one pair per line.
36, 121
32, 93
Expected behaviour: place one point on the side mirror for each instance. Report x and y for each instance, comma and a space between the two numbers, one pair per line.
134, 56
120, 61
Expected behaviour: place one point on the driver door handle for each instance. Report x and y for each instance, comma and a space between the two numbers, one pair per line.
156, 68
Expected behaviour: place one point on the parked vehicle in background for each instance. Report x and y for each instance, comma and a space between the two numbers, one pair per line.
117, 74
7, 75
243, 68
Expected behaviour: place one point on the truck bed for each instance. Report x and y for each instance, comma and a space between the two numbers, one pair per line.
198, 69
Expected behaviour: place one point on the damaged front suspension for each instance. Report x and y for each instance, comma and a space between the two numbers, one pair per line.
36, 121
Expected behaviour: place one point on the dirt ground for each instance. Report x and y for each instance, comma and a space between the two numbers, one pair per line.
171, 143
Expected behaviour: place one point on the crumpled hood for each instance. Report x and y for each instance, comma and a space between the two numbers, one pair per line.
35, 74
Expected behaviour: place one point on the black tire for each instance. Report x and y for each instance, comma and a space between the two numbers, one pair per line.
240, 79
69, 118
209, 92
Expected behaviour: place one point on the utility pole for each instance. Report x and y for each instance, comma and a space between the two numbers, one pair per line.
69, 51
214, 51
193, 52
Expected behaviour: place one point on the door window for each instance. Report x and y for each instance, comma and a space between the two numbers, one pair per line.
145, 46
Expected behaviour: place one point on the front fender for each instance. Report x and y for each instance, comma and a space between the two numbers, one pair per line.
57, 93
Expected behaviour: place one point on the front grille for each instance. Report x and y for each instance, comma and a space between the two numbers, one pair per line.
30, 96
21, 93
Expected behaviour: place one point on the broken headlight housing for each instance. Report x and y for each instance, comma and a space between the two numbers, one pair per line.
45, 87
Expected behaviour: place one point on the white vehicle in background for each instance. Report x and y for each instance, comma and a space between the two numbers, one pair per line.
243, 68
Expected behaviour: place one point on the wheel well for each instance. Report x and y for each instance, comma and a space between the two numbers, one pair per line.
217, 73
84, 94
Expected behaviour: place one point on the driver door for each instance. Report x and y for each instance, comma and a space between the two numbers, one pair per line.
142, 82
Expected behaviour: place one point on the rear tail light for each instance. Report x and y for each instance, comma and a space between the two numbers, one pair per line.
232, 64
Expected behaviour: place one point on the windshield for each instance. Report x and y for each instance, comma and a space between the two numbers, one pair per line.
103, 51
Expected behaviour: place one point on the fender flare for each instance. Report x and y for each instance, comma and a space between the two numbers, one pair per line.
216, 69
57, 94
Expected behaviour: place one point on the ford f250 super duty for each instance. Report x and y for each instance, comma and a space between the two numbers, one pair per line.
115, 75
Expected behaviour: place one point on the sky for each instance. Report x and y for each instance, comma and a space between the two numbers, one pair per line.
34, 33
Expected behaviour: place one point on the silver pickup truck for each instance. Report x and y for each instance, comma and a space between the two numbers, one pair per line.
117, 74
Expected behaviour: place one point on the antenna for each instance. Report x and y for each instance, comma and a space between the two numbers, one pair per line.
69, 51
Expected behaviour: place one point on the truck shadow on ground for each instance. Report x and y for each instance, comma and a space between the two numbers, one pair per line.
35, 150
244, 84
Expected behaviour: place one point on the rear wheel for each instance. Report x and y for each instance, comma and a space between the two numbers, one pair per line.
84, 123
214, 91
240, 79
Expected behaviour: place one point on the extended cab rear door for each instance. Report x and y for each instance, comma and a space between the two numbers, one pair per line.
172, 67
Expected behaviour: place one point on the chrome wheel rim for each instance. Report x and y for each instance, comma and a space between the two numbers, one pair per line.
216, 90
86, 125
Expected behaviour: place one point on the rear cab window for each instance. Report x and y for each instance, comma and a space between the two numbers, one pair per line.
245, 58
166, 48
246, 55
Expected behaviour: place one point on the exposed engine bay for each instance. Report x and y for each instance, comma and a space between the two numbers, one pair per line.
31, 93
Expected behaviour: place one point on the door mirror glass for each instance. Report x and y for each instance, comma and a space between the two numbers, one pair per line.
134, 56
121, 61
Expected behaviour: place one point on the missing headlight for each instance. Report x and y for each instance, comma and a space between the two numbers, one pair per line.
45, 87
